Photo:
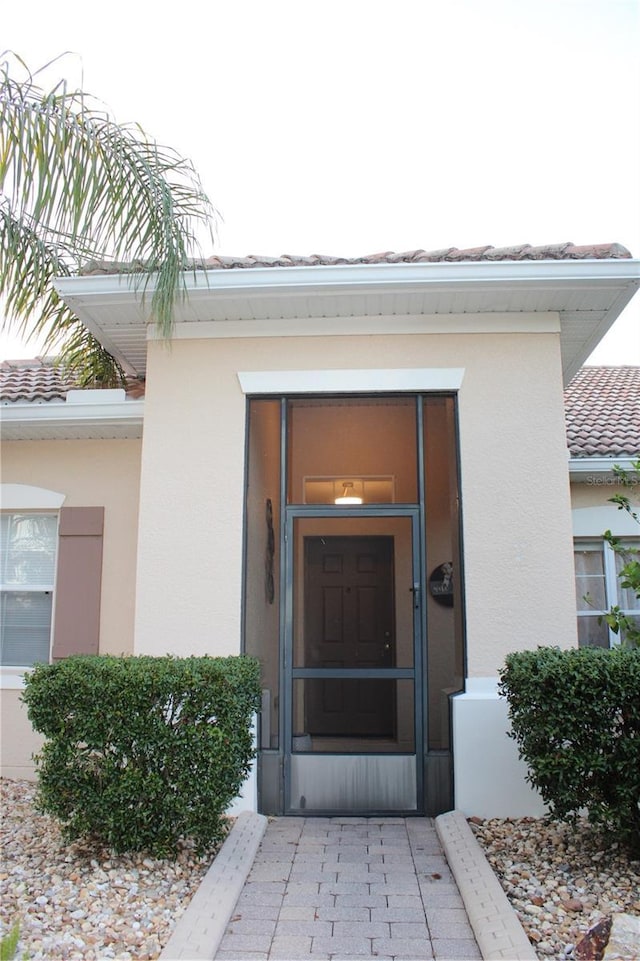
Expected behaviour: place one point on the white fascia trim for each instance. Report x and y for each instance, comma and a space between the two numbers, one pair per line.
483, 323
581, 468
131, 413
261, 280
350, 381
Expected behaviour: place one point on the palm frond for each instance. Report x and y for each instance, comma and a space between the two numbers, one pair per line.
27, 270
91, 364
75, 186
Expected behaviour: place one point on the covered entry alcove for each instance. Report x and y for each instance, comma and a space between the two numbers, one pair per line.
352, 509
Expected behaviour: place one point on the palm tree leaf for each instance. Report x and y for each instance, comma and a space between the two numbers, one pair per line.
74, 187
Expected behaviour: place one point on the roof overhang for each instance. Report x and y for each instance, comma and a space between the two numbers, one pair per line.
59, 420
587, 296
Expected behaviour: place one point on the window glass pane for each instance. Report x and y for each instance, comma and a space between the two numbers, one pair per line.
262, 577
367, 442
25, 627
445, 650
590, 584
28, 549
635, 621
591, 633
627, 599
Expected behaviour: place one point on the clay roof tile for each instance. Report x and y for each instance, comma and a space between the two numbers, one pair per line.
602, 412
563, 251
42, 380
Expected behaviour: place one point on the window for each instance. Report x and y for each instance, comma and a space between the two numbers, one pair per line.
598, 589
28, 542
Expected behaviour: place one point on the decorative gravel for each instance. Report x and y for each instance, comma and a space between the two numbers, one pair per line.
75, 902
559, 878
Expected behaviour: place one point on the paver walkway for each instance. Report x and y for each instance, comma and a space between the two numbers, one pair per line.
349, 888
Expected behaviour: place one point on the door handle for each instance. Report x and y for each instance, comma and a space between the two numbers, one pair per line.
415, 590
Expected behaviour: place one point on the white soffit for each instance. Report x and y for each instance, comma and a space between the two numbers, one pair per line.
587, 295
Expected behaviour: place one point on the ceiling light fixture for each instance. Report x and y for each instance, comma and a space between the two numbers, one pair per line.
347, 497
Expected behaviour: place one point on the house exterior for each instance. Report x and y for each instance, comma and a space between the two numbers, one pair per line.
602, 407
355, 470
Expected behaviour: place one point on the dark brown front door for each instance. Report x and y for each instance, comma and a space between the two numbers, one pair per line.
349, 623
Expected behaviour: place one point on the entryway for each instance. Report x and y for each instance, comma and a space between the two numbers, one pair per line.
351, 511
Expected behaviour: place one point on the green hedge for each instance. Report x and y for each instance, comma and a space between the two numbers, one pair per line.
141, 752
575, 716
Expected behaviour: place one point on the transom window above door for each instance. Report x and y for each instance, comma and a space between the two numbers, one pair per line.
356, 447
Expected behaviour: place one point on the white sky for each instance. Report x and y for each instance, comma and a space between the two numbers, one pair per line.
355, 126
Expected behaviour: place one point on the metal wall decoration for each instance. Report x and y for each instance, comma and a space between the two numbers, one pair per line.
441, 584
269, 554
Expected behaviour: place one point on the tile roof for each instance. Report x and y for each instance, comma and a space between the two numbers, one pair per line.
564, 251
602, 412
602, 404
41, 380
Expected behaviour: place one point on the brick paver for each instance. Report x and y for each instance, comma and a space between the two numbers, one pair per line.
342, 888
347, 889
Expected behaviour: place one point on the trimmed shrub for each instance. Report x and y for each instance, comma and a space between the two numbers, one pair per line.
142, 752
575, 716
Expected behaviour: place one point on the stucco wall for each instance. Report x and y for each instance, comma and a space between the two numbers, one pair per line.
18, 741
518, 564
93, 474
89, 474
592, 513
514, 484
489, 774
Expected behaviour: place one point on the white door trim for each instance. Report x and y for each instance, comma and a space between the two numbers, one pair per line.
350, 381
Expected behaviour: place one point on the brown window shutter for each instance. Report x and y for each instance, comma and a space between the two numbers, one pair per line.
76, 627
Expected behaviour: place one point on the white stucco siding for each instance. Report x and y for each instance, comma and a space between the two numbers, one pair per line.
489, 776
515, 492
